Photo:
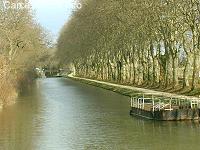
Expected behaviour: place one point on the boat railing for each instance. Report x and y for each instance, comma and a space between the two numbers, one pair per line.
161, 103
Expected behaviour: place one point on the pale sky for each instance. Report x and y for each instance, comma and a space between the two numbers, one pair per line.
52, 14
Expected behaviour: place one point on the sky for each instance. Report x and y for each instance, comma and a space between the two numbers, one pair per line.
52, 14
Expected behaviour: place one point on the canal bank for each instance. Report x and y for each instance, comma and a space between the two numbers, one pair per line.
128, 90
153, 104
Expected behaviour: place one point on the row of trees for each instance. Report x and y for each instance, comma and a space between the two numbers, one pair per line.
140, 42
23, 44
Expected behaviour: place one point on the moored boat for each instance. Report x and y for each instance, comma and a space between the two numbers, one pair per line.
165, 108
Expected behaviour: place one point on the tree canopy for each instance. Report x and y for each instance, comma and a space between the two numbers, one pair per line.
22, 46
140, 42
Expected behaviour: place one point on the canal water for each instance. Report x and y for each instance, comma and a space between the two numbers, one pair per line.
61, 114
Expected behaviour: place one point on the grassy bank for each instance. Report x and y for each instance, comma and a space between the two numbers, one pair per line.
123, 91
127, 90
12, 81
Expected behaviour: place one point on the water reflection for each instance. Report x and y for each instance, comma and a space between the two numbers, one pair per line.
60, 114
20, 123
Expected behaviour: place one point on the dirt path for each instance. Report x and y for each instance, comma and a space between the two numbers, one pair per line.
141, 90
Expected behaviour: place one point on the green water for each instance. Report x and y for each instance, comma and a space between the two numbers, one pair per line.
61, 114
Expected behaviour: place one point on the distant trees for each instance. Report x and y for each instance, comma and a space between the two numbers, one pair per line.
22, 46
154, 42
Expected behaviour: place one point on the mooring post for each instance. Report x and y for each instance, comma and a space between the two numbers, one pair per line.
133, 99
135, 102
159, 105
186, 102
170, 104
143, 102
131, 102
153, 102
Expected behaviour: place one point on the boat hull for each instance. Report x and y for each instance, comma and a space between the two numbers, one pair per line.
167, 115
